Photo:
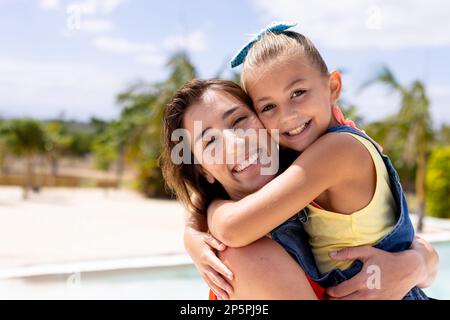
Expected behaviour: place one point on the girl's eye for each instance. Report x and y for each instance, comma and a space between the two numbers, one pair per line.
267, 108
298, 93
213, 138
240, 119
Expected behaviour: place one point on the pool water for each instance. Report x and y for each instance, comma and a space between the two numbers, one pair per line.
172, 283
175, 283
441, 286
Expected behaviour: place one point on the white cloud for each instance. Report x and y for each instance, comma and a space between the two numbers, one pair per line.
96, 25
144, 53
88, 7
151, 59
49, 4
148, 53
43, 89
119, 45
195, 41
93, 7
85, 15
365, 23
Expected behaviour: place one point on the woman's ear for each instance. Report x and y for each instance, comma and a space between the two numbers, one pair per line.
207, 175
335, 83
209, 178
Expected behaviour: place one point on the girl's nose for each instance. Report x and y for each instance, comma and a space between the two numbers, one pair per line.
287, 115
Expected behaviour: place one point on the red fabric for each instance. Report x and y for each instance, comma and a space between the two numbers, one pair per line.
212, 296
314, 204
318, 290
339, 116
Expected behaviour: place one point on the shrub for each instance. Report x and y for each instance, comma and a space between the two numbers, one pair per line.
438, 183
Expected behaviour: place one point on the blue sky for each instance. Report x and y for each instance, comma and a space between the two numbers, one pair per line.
73, 57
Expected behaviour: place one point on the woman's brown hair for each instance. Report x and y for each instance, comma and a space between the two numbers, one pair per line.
186, 179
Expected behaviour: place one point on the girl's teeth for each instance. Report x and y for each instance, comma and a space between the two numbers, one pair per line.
244, 165
297, 130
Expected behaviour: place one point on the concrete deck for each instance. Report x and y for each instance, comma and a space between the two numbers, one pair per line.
60, 226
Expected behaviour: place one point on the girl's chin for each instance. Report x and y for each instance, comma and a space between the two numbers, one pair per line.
300, 141
299, 147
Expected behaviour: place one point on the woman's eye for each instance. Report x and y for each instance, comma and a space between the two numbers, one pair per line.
267, 108
210, 141
298, 93
240, 119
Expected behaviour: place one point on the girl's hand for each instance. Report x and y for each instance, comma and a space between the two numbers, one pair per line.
397, 273
201, 247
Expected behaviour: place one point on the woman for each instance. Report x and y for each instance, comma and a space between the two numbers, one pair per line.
220, 105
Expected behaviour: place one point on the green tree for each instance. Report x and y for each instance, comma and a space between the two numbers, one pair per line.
411, 128
135, 138
25, 138
58, 144
438, 183
181, 70
443, 136
3, 154
3, 150
120, 140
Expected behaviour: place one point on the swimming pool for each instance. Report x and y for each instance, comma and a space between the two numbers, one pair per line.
150, 283
176, 282
441, 286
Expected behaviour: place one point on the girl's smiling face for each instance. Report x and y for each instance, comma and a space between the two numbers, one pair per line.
290, 94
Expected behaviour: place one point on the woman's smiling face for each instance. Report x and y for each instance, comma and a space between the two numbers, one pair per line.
226, 155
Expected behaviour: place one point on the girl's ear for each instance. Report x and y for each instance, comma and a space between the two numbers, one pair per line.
335, 83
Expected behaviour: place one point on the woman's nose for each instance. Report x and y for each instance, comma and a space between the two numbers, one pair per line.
234, 145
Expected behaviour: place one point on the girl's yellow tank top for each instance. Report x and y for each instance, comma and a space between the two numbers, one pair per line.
330, 231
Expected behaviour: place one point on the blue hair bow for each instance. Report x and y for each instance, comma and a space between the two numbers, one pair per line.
273, 27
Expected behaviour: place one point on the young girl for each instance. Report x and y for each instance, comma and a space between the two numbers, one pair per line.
350, 190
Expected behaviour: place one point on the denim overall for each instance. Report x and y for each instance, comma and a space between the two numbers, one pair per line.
292, 236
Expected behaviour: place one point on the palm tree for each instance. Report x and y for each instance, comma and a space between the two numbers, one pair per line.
135, 137
3, 153
120, 141
58, 144
412, 128
25, 138
181, 71
443, 138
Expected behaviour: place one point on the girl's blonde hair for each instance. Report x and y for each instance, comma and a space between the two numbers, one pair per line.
272, 45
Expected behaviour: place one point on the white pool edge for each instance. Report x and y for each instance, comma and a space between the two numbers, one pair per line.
157, 261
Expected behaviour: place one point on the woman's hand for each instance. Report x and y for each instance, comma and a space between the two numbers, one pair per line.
398, 272
201, 247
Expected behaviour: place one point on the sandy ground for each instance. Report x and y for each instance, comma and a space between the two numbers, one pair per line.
68, 225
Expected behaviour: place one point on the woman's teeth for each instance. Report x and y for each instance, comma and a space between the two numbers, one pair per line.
247, 163
297, 130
